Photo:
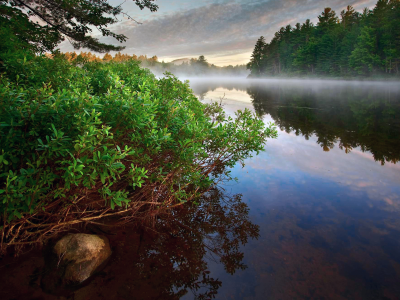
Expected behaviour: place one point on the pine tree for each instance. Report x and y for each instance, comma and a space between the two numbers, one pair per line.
327, 19
364, 59
349, 17
305, 57
255, 64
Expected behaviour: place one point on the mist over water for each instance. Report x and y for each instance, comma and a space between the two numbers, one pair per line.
325, 194
196, 70
199, 84
350, 113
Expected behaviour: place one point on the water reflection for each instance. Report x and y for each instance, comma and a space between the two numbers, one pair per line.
319, 237
172, 256
166, 259
329, 221
349, 114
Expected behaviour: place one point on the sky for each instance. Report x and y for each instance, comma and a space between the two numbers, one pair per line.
224, 31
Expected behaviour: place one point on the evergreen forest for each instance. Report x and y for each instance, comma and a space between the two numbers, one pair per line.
352, 44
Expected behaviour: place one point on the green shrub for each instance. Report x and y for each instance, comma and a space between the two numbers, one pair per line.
111, 131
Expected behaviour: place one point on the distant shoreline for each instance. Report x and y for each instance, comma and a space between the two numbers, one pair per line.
392, 79
275, 78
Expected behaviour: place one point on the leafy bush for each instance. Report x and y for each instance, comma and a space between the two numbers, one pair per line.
110, 133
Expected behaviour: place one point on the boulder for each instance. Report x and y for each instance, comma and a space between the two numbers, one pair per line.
72, 261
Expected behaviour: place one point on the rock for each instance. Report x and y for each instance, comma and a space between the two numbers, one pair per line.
72, 261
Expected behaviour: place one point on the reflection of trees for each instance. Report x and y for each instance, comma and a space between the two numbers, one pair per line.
172, 256
163, 258
351, 116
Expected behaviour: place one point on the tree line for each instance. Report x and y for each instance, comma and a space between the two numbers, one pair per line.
355, 43
193, 67
84, 57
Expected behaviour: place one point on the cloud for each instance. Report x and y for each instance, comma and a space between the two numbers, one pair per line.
218, 28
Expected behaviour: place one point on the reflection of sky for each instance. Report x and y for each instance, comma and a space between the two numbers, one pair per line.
329, 221
299, 157
228, 97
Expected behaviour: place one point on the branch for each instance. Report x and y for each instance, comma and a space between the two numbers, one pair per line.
43, 17
130, 18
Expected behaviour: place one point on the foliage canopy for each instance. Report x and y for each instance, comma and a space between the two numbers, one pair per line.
110, 136
60, 19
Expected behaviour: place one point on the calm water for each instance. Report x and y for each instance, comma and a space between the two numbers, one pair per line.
323, 201
326, 193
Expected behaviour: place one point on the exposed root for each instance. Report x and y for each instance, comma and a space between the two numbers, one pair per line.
62, 216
